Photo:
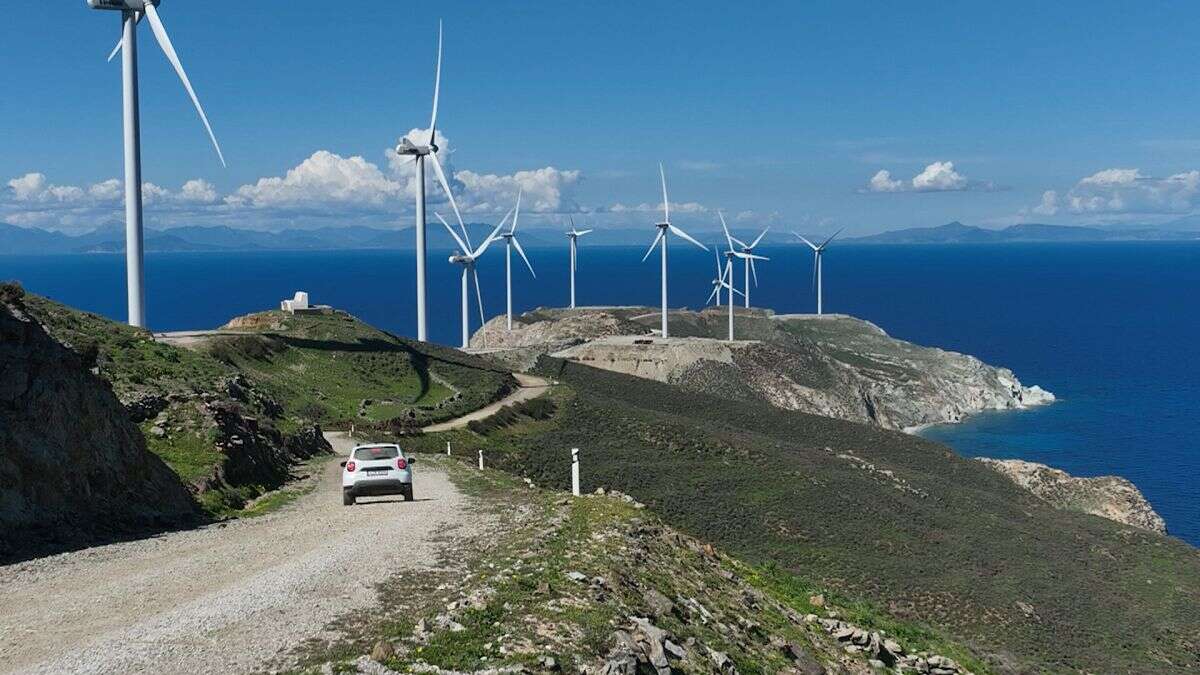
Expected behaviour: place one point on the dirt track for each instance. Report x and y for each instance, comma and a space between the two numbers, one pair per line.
531, 387
223, 598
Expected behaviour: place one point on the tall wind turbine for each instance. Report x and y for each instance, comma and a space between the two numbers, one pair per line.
663, 228
746, 254
818, 252
419, 153
573, 238
467, 258
132, 12
510, 242
748, 250
724, 280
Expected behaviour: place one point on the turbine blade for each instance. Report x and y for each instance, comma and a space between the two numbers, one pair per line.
580, 234
810, 244
816, 266
164, 41
441, 176
466, 249
650, 250
666, 202
728, 237
437, 87
121, 41
687, 236
831, 238
717, 260
491, 237
517, 214
521, 252
716, 288
753, 272
478, 294
755, 242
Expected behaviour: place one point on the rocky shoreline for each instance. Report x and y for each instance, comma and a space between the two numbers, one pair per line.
1110, 497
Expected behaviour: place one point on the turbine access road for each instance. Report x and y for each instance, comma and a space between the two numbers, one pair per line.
223, 598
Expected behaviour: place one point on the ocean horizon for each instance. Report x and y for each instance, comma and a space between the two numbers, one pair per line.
1109, 328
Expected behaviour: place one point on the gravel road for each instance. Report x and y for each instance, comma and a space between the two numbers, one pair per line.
221, 599
531, 387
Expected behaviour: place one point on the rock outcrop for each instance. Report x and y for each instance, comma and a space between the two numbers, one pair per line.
1109, 497
831, 365
72, 463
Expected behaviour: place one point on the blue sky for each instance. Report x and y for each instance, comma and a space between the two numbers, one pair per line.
775, 112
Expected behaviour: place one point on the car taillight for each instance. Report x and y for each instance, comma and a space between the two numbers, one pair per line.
350, 466
401, 463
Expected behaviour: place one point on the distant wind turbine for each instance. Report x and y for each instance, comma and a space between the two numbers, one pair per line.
510, 242
132, 13
573, 238
419, 153
746, 254
818, 252
724, 280
663, 228
467, 257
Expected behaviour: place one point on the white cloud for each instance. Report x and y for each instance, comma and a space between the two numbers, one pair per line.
28, 186
1049, 205
883, 182
676, 207
939, 176
198, 191
546, 190
109, 189
1126, 191
698, 165
936, 177
324, 179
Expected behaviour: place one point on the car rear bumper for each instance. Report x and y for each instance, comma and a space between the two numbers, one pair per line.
378, 486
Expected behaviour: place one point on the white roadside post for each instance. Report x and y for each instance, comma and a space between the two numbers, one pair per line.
575, 471
481, 460
447, 448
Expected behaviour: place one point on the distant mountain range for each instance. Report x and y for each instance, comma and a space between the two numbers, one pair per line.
957, 233
28, 241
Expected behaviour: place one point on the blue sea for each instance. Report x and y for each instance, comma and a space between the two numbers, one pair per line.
1111, 328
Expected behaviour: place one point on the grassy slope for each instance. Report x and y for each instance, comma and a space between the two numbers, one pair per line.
517, 604
940, 539
326, 365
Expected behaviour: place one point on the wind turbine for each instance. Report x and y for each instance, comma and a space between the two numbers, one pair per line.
818, 251
663, 228
747, 249
419, 153
723, 280
746, 254
510, 241
132, 12
573, 238
467, 258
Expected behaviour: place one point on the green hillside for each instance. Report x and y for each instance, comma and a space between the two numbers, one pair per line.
892, 519
338, 371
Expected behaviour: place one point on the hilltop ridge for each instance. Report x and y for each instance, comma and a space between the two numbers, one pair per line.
832, 365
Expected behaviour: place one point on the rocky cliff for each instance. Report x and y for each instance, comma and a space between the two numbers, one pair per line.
72, 462
1109, 497
832, 365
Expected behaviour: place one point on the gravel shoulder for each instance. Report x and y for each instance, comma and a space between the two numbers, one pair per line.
228, 597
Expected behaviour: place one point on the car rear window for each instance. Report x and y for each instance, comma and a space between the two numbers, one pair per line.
383, 452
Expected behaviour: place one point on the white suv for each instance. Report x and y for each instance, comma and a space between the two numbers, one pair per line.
376, 469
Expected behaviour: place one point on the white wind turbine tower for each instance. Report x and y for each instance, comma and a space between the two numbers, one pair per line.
510, 242
724, 280
573, 238
663, 228
132, 12
419, 153
467, 258
749, 258
818, 252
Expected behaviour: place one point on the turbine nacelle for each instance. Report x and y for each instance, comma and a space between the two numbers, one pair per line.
121, 5
406, 147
